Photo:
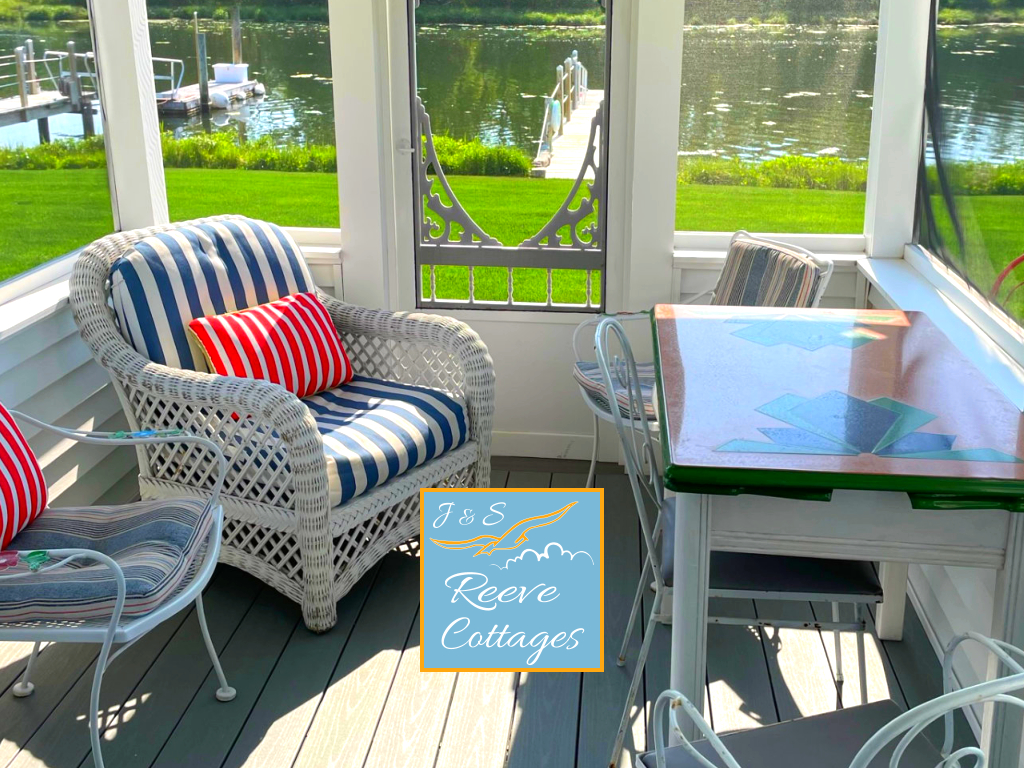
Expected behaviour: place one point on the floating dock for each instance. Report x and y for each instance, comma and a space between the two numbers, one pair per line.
186, 101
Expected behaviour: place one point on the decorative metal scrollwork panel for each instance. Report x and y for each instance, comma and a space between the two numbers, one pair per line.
450, 216
589, 236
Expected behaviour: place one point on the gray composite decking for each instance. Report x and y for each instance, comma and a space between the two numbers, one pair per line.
354, 696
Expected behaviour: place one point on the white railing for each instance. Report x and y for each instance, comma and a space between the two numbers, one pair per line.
570, 92
20, 71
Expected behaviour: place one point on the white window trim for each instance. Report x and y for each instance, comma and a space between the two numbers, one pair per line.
894, 148
917, 282
1007, 334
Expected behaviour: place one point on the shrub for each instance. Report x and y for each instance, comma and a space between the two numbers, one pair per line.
473, 158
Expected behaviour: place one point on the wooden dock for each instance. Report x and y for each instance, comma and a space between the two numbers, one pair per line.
39, 106
186, 100
569, 149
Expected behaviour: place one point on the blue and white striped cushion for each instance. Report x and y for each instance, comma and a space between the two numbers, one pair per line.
375, 430
156, 543
169, 279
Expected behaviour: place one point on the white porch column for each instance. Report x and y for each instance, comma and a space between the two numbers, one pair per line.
120, 33
652, 134
896, 126
359, 69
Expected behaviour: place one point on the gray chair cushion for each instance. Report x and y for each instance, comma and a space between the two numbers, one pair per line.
830, 740
156, 544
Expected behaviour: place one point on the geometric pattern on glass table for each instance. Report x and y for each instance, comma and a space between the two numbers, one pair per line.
838, 424
805, 333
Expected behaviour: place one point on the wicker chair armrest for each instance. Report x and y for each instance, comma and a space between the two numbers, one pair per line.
446, 333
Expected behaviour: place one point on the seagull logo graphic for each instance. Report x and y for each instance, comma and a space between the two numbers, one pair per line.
488, 545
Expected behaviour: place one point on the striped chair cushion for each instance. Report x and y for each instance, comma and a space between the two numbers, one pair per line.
156, 543
591, 380
375, 430
22, 487
169, 279
760, 274
291, 342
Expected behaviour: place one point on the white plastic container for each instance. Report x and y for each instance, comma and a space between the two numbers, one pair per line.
230, 73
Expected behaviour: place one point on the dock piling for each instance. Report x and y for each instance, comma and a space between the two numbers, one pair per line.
19, 64
236, 35
30, 53
204, 81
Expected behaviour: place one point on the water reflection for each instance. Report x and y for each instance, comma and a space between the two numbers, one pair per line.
748, 92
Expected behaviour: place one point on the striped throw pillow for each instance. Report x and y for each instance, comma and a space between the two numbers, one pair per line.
291, 342
22, 487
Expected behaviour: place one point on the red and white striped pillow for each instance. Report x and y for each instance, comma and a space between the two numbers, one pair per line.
291, 342
22, 487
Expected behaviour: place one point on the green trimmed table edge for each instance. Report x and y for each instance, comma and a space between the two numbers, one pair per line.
925, 492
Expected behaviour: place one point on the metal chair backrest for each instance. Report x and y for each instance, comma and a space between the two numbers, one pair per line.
633, 428
768, 273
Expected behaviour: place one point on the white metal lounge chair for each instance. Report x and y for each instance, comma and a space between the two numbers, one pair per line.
54, 589
309, 506
733, 574
859, 737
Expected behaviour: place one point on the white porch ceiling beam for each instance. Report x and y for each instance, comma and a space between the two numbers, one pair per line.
120, 33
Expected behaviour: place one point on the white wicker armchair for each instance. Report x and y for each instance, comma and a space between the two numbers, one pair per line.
279, 525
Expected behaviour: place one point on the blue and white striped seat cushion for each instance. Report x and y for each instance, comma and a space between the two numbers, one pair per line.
591, 380
169, 279
375, 430
156, 543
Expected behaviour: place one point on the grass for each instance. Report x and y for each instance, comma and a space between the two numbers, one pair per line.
511, 209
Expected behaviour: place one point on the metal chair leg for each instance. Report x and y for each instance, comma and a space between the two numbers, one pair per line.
634, 686
593, 458
225, 692
94, 701
25, 686
839, 658
634, 611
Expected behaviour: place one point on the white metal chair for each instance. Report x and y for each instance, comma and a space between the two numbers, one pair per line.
738, 285
309, 507
858, 737
733, 575
55, 570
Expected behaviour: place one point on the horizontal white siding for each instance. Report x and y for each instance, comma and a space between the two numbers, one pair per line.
46, 371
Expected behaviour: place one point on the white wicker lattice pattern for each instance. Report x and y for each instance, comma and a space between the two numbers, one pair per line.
278, 524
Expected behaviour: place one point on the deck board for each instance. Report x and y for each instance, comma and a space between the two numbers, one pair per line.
168, 688
417, 708
802, 681
354, 697
63, 737
278, 723
347, 718
208, 729
869, 675
739, 687
604, 693
546, 714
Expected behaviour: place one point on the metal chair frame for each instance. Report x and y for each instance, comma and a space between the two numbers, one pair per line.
123, 633
907, 726
602, 411
641, 463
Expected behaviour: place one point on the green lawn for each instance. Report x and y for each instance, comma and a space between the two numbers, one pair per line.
48, 213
